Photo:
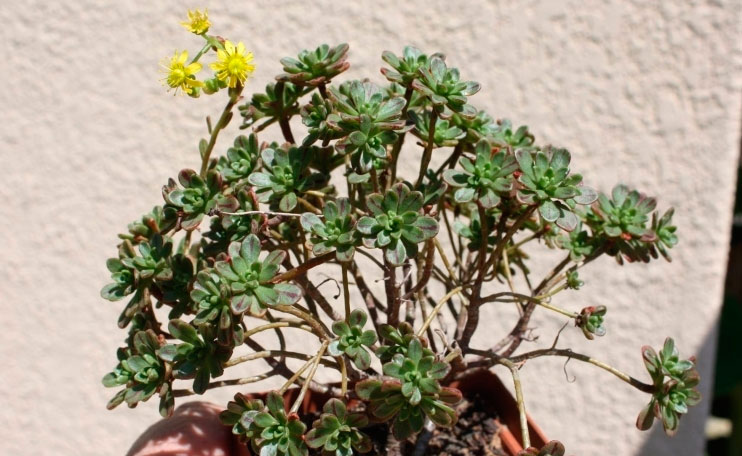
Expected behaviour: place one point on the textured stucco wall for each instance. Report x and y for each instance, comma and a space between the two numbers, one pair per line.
645, 92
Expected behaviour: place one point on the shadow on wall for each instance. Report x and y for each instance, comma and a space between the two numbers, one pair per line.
690, 439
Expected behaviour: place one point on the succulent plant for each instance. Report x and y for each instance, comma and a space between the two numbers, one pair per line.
132, 273
312, 68
503, 134
277, 433
240, 414
625, 214
547, 182
483, 180
124, 280
242, 240
314, 116
367, 120
249, 278
240, 160
213, 295
199, 357
159, 220
477, 127
414, 394
228, 228
335, 233
675, 381
174, 291
352, 339
396, 341
396, 224
418, 372
590, 321
573, 281
355, 99
142, 373
577, 242
407, 67
197, 197
445, 133
283, 176
336, 431
152, 261
665, 233
444, 88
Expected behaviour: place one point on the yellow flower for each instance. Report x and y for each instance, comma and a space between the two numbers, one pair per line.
197, 22
181, 76
233, 65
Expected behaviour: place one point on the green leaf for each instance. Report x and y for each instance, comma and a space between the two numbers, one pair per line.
201, 381
366, 225
340, 328
366, 389
362, 359
288, 202
288, 293
265, 420
183, 331
549, 211
396, 254
415, 350
358, 318
428, 225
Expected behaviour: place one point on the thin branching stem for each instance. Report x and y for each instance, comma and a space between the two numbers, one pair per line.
396, 149
317, 326
346, 292
436, 309
426, 271
278, 324
519, 400
272, 354
223, 383
303, 268
280, 214
234, 96
296, 376
493, 358
283, 119
310, 376
428, 152
392, 292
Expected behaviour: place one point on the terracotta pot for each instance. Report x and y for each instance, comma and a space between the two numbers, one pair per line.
498, 401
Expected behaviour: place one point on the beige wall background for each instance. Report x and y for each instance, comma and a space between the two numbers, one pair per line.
643, 92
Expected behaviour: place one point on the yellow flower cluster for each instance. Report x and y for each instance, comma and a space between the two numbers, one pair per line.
233, 65
182, 76
197, 22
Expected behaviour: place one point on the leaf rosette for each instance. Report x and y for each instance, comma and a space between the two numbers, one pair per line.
352, 340
336, 431
546, 181
396, 224
485, 179
283, 177
249, 278
197, 197
335, 233
445, 89
312, 68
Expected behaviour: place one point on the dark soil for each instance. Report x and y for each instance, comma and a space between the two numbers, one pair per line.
475, 434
